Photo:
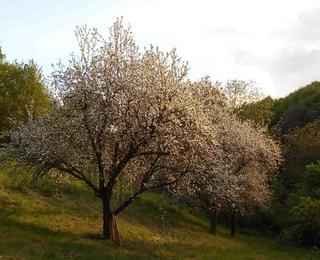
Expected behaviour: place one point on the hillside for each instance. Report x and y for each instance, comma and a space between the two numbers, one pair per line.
39, 225
298, 108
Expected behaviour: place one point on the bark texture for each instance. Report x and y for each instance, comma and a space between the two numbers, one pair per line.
110, 228
213, 222
233, 224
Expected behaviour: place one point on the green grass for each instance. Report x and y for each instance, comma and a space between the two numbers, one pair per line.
40, 225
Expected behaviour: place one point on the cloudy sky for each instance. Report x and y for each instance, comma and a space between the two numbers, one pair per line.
273, 42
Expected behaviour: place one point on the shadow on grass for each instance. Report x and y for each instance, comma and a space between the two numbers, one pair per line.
37, 242
170, 214
9, 207
93, 236
187, 237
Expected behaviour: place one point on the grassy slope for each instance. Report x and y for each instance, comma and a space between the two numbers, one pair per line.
34, 226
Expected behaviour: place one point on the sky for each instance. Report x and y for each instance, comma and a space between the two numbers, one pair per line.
275, 43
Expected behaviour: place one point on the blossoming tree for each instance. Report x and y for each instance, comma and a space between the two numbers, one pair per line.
125, 122
236, 178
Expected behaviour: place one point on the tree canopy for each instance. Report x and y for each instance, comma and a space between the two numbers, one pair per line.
22, 93
298, 108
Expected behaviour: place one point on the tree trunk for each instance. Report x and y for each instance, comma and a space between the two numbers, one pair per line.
213, 222
110, 228
233, 224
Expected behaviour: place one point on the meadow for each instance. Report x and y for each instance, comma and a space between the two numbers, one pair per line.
45, 221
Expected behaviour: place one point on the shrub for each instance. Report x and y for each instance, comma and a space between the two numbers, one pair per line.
304, 223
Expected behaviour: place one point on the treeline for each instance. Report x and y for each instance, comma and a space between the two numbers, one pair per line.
295, 121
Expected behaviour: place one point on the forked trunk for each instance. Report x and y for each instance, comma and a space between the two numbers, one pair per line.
213, 222
233, 224
110, 228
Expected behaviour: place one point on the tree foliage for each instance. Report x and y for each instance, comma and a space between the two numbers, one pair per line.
298, 108
301, 147
260, 112
303, 226
295, 122
22, 93
237, 180
239, 93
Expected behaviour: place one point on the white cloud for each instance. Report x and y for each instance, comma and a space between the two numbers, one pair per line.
248, 39
294, 67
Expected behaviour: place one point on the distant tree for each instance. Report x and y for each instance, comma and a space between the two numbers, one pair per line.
22, 93
261, 112
125, 123
240, 93
235, 177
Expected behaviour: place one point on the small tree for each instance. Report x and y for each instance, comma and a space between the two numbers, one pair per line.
239, 93
124, 123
